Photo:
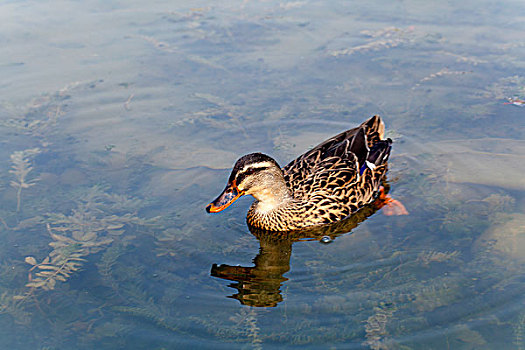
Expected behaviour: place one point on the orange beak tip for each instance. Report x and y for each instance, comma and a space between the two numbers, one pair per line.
214, 209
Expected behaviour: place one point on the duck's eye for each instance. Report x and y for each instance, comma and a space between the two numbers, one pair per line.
250, 171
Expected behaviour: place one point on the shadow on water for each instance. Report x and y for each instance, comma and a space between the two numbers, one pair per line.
260, 285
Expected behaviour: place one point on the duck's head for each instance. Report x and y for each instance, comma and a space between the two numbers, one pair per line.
256, 174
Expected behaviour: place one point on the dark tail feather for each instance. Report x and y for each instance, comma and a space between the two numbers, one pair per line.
358, 146
377, 155
375, 130
373, 123
379, 152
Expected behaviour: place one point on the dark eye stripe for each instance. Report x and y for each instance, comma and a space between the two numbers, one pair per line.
250, 171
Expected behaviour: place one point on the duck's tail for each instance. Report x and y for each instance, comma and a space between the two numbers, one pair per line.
377, 155
375, 130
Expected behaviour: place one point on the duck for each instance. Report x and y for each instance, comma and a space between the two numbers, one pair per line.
327, 184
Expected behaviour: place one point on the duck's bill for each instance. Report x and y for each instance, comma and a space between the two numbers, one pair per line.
225, 199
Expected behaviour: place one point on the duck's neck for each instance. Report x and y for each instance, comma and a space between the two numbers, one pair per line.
273, 197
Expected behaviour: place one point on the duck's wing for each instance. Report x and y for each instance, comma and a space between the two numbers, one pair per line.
340, 157
374, 130
327, 171
324, 178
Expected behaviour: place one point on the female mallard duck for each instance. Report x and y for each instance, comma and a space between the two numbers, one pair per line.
324, 185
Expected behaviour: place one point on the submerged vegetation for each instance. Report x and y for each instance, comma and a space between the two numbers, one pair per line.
75, 225
21, 169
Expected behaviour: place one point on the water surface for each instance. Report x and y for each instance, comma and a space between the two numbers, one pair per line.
120, 121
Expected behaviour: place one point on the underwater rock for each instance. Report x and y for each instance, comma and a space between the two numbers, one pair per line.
197, 180
73, 177
505, 239
486, 161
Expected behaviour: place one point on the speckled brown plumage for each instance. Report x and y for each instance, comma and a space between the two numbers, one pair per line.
324, 185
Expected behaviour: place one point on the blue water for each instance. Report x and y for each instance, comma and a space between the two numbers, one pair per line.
120, 121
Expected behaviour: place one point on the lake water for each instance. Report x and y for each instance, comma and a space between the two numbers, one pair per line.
121, 120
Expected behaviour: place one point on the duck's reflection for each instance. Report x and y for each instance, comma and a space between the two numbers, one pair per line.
260, 285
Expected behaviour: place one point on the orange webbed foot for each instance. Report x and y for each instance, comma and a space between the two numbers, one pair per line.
390, 205
394, 207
